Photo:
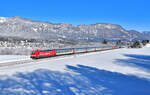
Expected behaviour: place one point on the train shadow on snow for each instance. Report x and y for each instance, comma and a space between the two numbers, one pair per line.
85, 81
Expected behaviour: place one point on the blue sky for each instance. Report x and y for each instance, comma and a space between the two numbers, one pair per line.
131, 14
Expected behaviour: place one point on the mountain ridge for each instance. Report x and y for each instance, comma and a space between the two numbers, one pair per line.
32, 29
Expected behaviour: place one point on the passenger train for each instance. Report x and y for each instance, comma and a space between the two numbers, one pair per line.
35, 54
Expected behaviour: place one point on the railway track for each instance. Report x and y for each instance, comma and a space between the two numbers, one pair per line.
8, 64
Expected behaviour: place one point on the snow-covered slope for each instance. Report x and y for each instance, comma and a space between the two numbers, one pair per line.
114, 72
19, 27
12, 58
148, 45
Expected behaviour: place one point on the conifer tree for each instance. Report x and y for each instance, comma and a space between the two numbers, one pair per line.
104, 42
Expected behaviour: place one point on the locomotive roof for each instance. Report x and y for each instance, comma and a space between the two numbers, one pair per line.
44, 50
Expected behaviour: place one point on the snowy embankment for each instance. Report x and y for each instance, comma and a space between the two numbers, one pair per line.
148, 45
13, 58
113, 72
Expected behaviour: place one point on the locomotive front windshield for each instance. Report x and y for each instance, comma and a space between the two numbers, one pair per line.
33, 52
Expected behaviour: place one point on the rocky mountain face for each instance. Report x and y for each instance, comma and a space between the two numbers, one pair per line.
146, 33
18, 27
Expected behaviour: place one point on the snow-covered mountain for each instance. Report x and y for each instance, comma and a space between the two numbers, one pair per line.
25, 28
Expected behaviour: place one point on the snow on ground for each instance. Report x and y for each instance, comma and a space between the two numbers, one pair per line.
106, 60
11, 58
147, 45
113, 72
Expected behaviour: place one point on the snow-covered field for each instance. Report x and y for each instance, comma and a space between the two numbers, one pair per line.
113, 72
12, 58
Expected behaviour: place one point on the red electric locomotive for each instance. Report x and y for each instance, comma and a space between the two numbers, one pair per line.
42, 53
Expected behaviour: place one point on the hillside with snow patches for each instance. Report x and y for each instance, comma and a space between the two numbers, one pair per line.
22, 28
114, 72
